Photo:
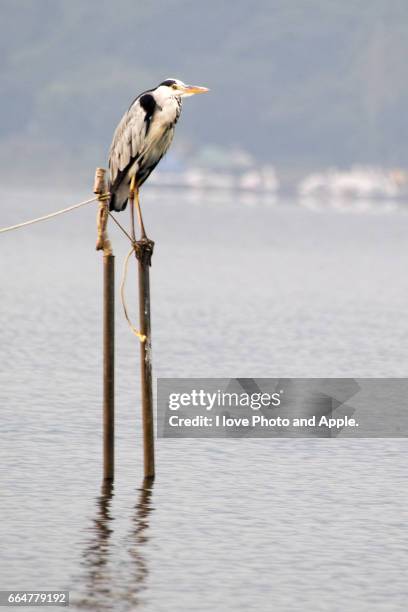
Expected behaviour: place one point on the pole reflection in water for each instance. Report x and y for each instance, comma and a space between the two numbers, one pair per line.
137, 540
96, 583
115, 572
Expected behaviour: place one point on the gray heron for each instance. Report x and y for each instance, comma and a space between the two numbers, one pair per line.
142, 137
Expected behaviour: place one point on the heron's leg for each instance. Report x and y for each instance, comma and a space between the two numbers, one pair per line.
139, 216
132, 207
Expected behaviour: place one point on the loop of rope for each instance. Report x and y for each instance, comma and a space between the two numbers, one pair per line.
54, 214
137, 333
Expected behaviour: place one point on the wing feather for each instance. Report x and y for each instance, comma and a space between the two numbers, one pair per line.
127, 142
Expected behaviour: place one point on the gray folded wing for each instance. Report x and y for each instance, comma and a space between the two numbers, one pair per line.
127, 143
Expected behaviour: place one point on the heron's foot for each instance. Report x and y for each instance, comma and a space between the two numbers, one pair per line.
144, 250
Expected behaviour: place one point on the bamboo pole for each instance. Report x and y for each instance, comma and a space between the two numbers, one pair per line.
144, 252
108, 366
104, 244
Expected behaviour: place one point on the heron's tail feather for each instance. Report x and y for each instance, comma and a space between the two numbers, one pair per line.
117, 203
112, 202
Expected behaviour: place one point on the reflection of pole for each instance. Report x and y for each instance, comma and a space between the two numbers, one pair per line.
103, 243
95, 584
138, 539
102, 521
98, 588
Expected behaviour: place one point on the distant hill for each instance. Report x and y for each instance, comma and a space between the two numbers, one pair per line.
300, 83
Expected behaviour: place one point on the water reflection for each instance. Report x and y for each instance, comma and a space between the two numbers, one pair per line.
103, 585
137, 539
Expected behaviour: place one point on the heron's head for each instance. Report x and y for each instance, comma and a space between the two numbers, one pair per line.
174, 88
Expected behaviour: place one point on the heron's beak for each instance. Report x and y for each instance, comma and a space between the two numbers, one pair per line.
194, 89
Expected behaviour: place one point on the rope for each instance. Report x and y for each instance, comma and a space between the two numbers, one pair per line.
45, 217
120, 226
137, 333
100, 198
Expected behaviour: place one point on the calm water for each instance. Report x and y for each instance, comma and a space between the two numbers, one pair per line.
245, 289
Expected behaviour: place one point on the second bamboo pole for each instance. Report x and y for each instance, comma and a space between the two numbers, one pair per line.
144, 251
